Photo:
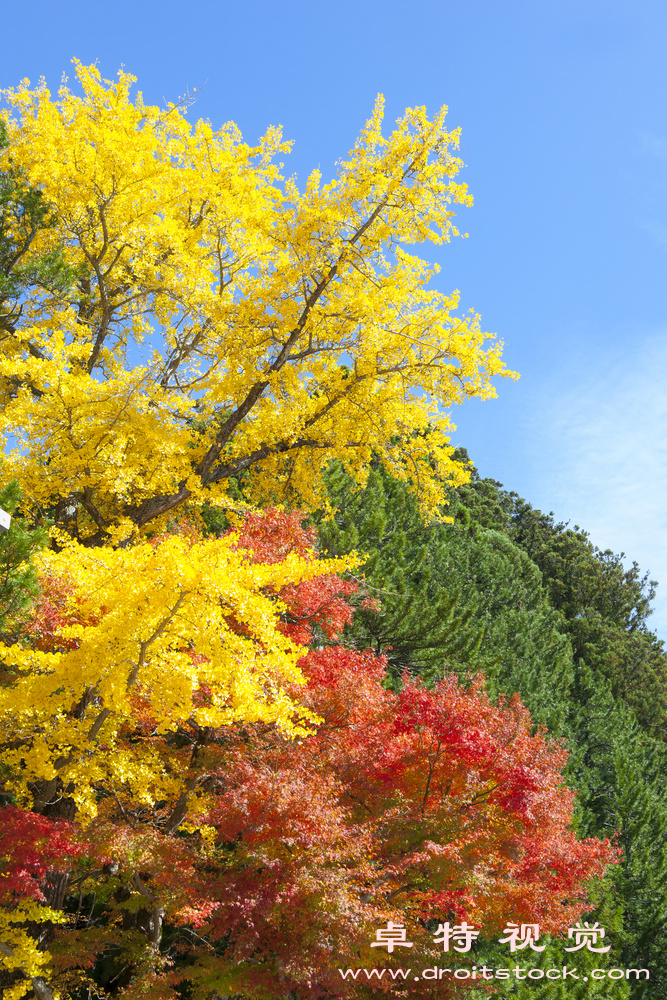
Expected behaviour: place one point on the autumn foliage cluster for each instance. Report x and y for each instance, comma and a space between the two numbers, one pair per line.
208, 788
256, 861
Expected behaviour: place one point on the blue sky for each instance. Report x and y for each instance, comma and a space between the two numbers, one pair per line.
564, 116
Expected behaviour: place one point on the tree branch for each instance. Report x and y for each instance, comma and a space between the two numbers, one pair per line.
40, 986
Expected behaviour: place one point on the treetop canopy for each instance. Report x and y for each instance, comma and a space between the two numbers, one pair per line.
217, 321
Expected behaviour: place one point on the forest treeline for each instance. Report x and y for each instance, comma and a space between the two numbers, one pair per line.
286, 687
540, 611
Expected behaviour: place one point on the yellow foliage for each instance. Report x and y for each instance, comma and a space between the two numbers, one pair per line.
222, 321
190, 629
19, 950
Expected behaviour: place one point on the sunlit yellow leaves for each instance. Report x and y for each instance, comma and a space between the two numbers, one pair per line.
223, 322
19, 950
191, 627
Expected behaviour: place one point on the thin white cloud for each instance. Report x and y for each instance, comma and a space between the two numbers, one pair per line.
599, 447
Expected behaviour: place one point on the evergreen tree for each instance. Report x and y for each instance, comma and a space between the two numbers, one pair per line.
605, 607
613, 719
18, 581
619, 770
408, 615
23, 213
452, 597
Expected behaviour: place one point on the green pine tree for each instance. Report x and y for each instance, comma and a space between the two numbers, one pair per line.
18, 580
23, 213
457, 597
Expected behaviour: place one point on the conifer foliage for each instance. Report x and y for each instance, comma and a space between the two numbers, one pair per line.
611, 714
456, 597
18, 580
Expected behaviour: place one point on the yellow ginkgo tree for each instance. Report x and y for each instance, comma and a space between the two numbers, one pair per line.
220, 321
191, 624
